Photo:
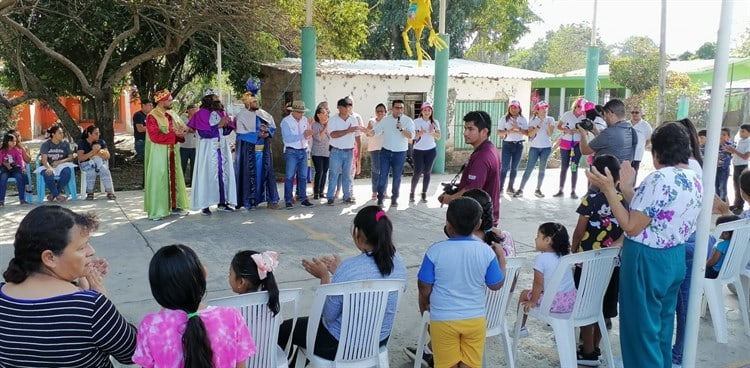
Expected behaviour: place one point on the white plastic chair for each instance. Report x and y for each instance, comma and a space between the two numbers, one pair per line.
363, 313
597, 266
263, 325
496, 304
731, 269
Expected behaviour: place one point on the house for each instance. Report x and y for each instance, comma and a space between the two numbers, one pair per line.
471, 86
561, 90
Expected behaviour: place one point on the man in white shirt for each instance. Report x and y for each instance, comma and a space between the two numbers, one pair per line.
296, 132
396, 130
342, 129
643, 129
740, 156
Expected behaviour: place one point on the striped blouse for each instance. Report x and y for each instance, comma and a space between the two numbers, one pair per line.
73, 330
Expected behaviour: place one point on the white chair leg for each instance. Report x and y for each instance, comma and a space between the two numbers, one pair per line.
511, 362
301, 357
566, 343
742, 299
383, 357
424, 338
715, 301
516, 330
605, 342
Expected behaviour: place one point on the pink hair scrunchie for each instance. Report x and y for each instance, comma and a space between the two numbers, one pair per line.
266, 262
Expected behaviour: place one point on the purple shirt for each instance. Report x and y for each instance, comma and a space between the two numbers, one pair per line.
13, 156
482, 171
201, 123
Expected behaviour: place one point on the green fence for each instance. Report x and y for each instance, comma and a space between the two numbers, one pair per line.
494, 108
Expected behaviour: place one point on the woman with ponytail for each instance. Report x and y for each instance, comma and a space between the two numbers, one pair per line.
251, 272
372, 233
53, 286
186, 333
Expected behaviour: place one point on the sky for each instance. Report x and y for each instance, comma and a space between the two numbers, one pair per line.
690, 23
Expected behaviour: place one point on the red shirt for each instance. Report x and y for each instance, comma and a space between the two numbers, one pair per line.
156, 136
482, 171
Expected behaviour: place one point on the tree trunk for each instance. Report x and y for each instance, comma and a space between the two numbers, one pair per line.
69, 125
104, 118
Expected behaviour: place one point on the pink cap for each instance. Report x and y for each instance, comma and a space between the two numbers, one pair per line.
588, 106
426, 105
515, 103
541, 105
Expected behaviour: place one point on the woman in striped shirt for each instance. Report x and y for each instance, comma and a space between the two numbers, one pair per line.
53, 304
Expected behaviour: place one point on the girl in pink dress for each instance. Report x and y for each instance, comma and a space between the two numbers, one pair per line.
186, 333
251, 271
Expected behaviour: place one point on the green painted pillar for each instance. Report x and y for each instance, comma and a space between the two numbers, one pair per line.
440, 105
309, 47
590, 92
683, 107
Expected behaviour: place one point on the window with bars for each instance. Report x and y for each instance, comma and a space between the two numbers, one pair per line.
495, 108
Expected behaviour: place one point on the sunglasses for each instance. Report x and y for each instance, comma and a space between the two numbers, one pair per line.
635, 112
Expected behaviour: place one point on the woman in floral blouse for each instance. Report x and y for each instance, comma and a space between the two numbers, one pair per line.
663, 213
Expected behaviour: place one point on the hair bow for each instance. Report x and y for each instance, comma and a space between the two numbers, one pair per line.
266, 262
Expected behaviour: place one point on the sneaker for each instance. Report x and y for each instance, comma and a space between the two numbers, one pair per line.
394, 204
306, 203
518, 193
559, 194
350, 201
206, 212
511, 190
179, 212
424, 198
523, 332
272, 206
427, 360
329, 202
411, 197
573, 195
225, 208
288, 205
538, 194
380, 203
588, 360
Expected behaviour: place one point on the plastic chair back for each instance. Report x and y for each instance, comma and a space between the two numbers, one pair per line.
496, 301
363, 314
263, 325
737, 254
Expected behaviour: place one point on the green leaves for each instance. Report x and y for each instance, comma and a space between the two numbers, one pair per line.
637, 66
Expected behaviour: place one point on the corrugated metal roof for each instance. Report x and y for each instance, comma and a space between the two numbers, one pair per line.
456, 68
682, 66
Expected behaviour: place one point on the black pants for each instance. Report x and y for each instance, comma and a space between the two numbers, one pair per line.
325, 343
185, 155
738, 201
321, 172
423, 161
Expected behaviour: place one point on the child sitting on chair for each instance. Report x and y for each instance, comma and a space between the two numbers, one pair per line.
553, 242
714, 262
251, 272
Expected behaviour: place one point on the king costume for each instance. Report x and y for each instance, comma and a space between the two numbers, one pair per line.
254, 162
162, 161
213, 175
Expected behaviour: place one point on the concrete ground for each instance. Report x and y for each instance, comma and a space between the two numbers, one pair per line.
128, 240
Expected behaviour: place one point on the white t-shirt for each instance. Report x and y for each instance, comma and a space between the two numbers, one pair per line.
541, 139
393, 139
546, 263
569, 121
507, 124
427, 141
600, 124
374, 143
336, 123
743, 146
643, 129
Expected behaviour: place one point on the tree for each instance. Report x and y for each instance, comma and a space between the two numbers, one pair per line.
678, 85
707, 51
559, 51
467, 23
637, 67
743, 45
687, 55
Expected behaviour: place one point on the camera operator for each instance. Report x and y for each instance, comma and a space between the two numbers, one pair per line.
619, 139
482, 170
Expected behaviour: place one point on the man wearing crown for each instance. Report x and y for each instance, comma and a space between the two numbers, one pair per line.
213, 178
164, 129
254, 164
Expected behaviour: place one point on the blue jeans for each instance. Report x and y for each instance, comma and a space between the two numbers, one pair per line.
374, 169
140, 148
296, 163
722, 176
340, 165
541, 154
62, 181
17, 174
511, 154
390, 160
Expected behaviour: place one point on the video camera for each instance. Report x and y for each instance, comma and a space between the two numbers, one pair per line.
586, 124
452, 187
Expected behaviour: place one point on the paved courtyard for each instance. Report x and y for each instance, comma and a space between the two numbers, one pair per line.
128, 240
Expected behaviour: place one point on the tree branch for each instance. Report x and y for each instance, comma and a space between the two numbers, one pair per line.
9, 103
113, 46
85, 85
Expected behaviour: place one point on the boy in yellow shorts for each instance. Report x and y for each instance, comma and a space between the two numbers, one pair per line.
451, 285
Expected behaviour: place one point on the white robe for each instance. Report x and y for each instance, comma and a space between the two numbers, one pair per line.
205, 191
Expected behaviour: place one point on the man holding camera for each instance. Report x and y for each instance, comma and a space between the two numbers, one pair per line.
482, 171
619, 139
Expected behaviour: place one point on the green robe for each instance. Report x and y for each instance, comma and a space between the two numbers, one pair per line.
164, 180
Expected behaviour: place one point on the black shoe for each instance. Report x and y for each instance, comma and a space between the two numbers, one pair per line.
518, 193
206, 212
350, 201
316, 196
411, 197
394, 203
573, 195
511, 191
380, 203
225, 208
558, 194
289, 206
306, 203
588, 360
427, 360
539, 194
424, 198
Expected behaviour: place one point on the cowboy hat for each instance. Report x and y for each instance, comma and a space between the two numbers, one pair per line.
298, 106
